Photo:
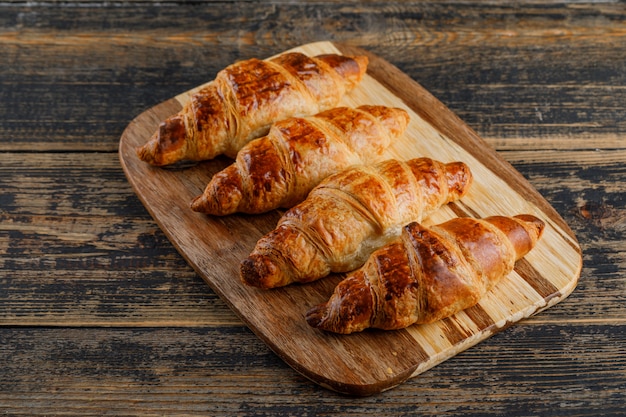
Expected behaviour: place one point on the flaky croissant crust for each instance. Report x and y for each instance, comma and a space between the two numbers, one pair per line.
428, 274
349, 215
280, 169
246, 98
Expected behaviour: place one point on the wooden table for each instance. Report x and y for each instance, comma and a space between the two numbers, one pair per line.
100, 315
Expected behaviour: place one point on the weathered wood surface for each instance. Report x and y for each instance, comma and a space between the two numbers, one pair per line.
365, 363
101, 315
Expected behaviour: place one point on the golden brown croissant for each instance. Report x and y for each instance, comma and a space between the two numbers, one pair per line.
428, 274
246, 98
350, 214
280, 169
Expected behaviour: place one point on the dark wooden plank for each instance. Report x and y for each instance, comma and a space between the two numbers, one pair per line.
509, 71
527, 76
78, 247
546, 370
588, 189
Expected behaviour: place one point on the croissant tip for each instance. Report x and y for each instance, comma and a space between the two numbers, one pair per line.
146, 152
322, 317
198, 204
537, 224
460, 177
204, 204
222, 195
167, 144
207, 203
315, 316
362, 60
259, 271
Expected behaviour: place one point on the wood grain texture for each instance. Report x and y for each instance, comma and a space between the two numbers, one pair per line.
88, 232
220, 371
507, 70
106, 247
541, 82
216, 246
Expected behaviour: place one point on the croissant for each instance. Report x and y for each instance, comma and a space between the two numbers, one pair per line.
348, 215
280, 169
246, 98
428, 274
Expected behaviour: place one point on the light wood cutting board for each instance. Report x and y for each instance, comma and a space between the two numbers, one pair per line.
371, 361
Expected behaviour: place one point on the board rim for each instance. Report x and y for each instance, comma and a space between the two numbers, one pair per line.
460, 133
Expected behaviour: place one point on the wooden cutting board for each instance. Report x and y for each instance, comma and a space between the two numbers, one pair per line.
371, 361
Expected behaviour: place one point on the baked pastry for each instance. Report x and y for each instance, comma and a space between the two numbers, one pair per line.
428, 274
280, 169
246, 98
349, 215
